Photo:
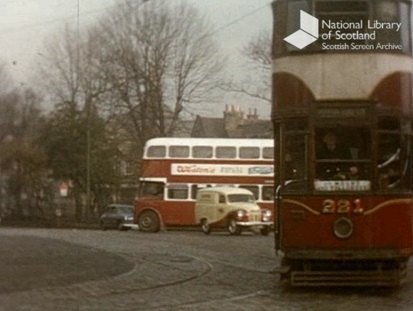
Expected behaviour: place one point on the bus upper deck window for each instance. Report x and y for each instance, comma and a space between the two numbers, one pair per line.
249, 152
156, 152
179, 151
202, 152
226, 152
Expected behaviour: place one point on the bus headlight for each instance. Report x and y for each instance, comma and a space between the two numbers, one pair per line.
343, 228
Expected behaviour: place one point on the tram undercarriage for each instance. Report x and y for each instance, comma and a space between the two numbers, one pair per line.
344, 273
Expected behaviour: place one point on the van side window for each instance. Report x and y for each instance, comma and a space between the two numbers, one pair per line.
221, 198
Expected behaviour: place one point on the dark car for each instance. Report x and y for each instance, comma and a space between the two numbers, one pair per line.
119, 216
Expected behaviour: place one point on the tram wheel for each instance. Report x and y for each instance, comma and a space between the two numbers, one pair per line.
233, 228
149, 222
205, 227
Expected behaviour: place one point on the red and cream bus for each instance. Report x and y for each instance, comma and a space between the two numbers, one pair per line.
174, 169
343, 120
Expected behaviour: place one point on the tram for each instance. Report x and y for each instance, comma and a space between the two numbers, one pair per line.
343, 126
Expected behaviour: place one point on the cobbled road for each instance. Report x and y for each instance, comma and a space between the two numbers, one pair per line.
62, 269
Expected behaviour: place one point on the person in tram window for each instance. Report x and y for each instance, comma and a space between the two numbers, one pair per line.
331, 149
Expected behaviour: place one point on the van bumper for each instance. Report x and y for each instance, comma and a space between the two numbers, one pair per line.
254, 223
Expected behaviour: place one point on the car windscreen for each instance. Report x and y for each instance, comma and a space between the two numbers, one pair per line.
126, 209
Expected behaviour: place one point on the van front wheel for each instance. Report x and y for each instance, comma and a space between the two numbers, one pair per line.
233, 228
205, 227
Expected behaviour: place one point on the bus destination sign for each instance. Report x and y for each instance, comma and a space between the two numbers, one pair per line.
221, 169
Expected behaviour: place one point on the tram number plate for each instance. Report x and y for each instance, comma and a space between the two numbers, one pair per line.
342, 207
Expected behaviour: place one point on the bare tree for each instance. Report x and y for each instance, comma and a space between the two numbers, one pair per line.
257, 84
159, 58
72, 77
137, 69
22, 164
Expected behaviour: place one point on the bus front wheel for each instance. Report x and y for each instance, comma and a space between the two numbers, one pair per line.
149, 222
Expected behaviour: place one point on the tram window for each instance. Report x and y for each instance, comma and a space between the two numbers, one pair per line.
342, 154
249, 152
386, 10
389, 165
296, 124
254, 189
178, 192
389, 124
268, 152
268, 193
295, 157
293, 18
155, 189
342, 11
405, 13
226, 152
326, 6
179, 151
202, 152
394, 11
156, 152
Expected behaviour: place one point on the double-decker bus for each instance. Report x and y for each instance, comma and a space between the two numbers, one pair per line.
343, 126
174, 169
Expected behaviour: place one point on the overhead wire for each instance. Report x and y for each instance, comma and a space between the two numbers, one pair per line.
78, 14
238, 19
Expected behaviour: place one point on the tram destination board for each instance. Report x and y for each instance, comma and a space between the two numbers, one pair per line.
335, 112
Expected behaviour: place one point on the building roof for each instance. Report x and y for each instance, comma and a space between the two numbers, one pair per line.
208, 127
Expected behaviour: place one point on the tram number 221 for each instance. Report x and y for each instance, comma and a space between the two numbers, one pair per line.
342, 207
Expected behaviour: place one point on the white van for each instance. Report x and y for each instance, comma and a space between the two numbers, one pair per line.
231, 208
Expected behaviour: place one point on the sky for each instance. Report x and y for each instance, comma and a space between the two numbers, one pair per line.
25, 25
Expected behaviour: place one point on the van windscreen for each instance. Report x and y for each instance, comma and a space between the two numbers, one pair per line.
241, 198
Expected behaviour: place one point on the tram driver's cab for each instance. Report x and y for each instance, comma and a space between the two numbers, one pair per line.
341, 154
346, 157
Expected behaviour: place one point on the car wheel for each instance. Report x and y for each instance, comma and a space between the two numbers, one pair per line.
233, 228
149, 222
265, 231
205, 227
120, 226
